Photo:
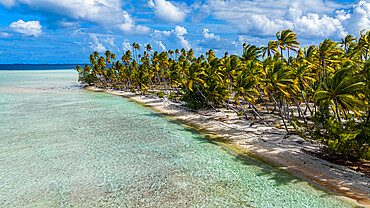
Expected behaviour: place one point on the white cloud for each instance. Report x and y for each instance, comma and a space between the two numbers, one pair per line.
216, 42
96, 45
356, 18
65, 23
208, 35
310, 19
109, 41
179, 33
175, 36
8, 3
30, 28
314, 26
126, 45
199, 12
160, 44
4, 35
106, 13
166, 11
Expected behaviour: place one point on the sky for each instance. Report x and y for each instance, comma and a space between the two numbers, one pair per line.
67, 31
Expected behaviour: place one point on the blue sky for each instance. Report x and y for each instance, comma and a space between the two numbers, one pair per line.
67, 31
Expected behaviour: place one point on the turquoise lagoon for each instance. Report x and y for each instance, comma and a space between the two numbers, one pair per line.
63, 146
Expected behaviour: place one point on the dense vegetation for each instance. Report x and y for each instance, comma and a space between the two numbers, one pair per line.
322, 92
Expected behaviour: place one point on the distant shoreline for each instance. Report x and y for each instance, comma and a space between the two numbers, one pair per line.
37, 66
263, 143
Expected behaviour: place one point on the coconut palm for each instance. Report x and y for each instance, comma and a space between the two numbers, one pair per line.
341, 92
325, 55
278, 84
286, 39
346, 42
271, 48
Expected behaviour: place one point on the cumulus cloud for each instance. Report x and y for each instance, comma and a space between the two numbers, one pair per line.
356, 18
160, 44
314, 26
179, 33
4, 35
208, 35
126, 45
106, 13
96, 45
8, 3
175, 36
311, 19
30, 28
216, 42
166, 11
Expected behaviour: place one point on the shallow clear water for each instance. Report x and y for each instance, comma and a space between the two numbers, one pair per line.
62, 146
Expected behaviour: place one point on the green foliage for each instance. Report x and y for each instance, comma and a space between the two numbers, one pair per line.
160, 94
193, 99
349, 138
85, 76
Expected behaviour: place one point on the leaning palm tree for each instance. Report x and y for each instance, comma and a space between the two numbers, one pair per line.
341, 92
251, 53
364, 44
277, 84
229, 66
286, 39
325, 52
271, 48
244, 87
347, 41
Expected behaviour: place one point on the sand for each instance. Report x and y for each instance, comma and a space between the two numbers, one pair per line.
264, 142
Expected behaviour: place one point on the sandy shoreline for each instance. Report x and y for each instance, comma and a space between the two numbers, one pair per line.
265, 143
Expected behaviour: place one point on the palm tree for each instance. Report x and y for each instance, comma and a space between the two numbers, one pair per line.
251, 53
278, 81
325, 52
286, 39
229, 66
346, 42
364, 44
135, 47
148, 48
244, 87
341, 92
271, 48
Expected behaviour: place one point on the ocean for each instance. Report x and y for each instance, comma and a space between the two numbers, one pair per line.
38, 66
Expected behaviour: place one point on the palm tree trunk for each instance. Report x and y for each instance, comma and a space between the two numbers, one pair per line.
281, 113
286, 110
304, 99
254, 110
229, 106
299, 110
282, 57
205, 98
336, 109
263, 100
245, 114
228, 90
